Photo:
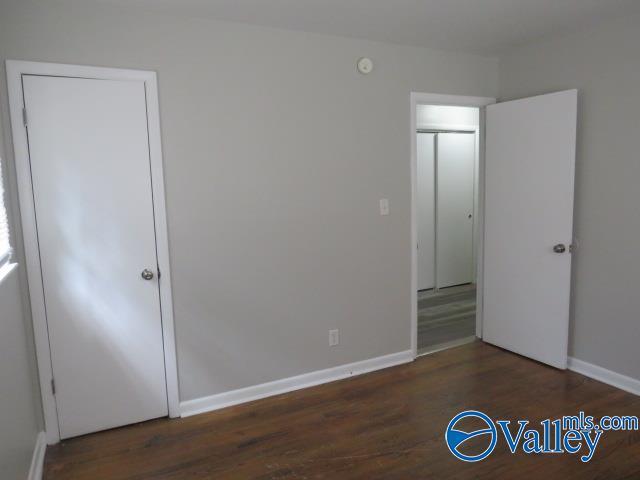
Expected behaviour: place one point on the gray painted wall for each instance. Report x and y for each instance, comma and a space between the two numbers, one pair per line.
19, 402
276, 154
603, 64
20, 409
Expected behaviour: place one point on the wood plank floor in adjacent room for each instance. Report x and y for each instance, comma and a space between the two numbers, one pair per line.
384, 425
446, 316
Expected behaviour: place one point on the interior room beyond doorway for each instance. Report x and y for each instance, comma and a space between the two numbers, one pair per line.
447, 145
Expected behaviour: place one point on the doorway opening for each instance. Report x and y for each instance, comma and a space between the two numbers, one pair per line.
447, 194
446, 178
524, 203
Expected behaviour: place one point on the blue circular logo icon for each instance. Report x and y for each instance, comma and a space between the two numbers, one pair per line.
456, 438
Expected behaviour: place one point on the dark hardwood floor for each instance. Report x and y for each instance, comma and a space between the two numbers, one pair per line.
384, 425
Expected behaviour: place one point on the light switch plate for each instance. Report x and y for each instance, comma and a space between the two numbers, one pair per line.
334, 337
384, 206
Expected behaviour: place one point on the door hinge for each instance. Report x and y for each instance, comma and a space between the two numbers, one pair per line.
24, 116
53, 386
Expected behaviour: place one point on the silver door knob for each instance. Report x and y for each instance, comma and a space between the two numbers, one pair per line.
147, 274
559, 248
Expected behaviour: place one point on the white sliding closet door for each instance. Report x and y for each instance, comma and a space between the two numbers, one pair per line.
455, 172
426, 210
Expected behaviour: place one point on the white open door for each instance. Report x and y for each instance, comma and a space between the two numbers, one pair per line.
528, 223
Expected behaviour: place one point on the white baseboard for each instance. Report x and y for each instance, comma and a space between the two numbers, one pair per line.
37, 461
603, 375
256, 392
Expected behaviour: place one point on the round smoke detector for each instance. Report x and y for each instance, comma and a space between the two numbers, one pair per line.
365, 65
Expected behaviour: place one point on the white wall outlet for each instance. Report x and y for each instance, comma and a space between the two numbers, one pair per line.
334, 337
384, 206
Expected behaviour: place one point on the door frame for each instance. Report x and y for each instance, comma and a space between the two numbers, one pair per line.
421, 98
15, 70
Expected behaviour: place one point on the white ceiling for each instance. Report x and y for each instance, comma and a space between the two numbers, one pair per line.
475, 26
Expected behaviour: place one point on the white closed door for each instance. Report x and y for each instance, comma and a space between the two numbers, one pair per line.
455, 173
529, 175
426, 210
89, 154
